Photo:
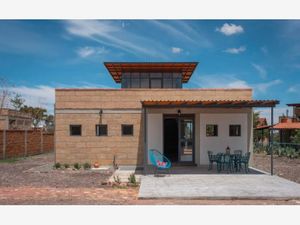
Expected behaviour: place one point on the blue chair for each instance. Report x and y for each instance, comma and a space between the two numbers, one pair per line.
159, 161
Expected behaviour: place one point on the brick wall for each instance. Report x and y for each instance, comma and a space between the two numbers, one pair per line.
19, 144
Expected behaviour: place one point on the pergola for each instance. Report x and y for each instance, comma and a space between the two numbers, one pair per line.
116, 69
208, 104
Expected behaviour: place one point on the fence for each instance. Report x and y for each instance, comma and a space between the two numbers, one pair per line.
22, 143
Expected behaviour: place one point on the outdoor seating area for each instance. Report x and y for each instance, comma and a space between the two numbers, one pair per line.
229, 162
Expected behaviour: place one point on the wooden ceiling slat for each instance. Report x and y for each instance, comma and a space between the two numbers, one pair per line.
186, 68
210, 103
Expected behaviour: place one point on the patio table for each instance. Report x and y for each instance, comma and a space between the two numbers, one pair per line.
233, 163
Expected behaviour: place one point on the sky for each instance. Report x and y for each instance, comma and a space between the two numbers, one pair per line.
37, 56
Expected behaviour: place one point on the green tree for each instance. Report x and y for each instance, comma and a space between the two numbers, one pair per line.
17, 102
49, 122
38, 114
296, 137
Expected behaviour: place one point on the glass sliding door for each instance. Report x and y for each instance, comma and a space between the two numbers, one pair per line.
186, 143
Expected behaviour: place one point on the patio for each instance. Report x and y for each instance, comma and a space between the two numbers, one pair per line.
218, 186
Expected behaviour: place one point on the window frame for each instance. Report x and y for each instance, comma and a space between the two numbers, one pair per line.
217, 130
101, 135
239, 130
124, 125
70, 130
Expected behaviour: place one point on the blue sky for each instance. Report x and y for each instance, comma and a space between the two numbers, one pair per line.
38, 56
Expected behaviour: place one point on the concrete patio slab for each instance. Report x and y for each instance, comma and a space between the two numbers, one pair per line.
216, 186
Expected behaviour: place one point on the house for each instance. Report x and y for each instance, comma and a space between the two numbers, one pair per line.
14, 120
152, 110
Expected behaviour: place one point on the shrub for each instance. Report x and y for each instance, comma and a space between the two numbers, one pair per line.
132, 179
57, 165
66, 165
117, 179
87, 166
77, 166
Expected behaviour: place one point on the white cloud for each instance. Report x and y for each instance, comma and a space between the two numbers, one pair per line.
230, 29
263, 87
182, 31
87, 51
294, 89
264, 50
112, 34
220, 81
232, 81
278, 111
235, 50
261, 70
38, 96
176, 50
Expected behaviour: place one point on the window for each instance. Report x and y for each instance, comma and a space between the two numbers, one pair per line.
75, 130
234, 130
135, 80
101, 130
127, 129
211, 130
155, 83
126, 80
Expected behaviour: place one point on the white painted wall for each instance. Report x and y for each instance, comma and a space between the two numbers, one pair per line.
155, 131
219, 143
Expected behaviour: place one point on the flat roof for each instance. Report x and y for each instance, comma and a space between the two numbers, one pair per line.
210, 103
117, 68
294, 104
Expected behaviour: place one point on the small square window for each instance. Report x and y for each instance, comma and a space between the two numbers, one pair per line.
75, 130
234, 130
101, 130
211, 130
127, 129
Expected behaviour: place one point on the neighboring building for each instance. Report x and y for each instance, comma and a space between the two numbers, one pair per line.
296, 110
152, 110
287, 126
14, 120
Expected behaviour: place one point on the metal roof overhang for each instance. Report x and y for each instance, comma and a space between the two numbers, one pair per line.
117, 68
209, 103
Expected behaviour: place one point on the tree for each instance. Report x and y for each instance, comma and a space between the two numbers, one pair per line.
17, 102
4, 93
38, 114
296, 137
49, 122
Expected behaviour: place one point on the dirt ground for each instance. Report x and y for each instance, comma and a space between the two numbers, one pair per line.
27, 182
283, 166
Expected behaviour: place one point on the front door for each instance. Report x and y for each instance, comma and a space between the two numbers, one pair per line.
179, 138
186, 146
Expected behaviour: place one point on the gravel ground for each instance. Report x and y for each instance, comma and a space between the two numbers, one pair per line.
283, 166
22, 183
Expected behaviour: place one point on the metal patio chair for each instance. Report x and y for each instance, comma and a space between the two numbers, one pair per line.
159, 161
212, 159
245, 161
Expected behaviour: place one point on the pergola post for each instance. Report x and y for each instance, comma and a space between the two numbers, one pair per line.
145, 140
271, 140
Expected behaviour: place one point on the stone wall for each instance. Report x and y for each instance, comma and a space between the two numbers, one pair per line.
127, 150
131, 98
82, 106
20, 143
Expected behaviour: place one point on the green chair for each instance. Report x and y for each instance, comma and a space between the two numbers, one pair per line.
227, 162
245, 161
212, 159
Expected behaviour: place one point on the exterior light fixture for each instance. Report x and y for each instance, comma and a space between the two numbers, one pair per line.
179, 112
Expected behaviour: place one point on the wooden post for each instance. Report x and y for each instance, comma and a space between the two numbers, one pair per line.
25, 143
271, 141
42, 141
4, 144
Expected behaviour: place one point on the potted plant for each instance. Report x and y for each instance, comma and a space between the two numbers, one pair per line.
96, 165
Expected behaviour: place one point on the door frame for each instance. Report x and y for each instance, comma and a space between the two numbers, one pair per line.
177, 117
